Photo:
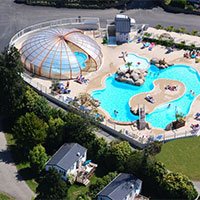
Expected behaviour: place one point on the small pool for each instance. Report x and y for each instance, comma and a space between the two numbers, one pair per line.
137, 62
116, 95
81, 57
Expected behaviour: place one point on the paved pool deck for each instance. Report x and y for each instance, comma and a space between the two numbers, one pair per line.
112, 60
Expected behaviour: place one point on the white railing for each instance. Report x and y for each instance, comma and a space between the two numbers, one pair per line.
131, 136
88, 21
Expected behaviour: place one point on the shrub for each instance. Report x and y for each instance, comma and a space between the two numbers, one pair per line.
101, 183
71, 178
194, 32
159, 26
169, 28
182, 30
178, 3
190, 7
147, 34
182, 42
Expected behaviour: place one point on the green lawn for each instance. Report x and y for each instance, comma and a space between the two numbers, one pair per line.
75, 189
23, 167
4, 196
182, 155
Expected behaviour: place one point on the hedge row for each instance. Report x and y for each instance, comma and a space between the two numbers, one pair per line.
169, 43
97, 4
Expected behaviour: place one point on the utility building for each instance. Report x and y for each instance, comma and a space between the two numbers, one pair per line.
123, 28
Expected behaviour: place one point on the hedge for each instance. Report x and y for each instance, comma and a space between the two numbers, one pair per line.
169, 43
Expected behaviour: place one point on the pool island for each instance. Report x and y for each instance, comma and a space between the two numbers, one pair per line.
162, 93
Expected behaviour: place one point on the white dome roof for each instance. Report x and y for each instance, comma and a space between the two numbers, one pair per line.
50, 53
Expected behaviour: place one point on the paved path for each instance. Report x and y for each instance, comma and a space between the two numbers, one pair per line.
10, 181
14, 17
197, 186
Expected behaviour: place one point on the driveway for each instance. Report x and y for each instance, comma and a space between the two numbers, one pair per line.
10, 181
14, 17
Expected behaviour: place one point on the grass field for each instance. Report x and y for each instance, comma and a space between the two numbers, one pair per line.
75, 190
23, 167
182, 155
4, 196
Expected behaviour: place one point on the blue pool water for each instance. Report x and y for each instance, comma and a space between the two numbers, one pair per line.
134, 59
116, 95
81, 57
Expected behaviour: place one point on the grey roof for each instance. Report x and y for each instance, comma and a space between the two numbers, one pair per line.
123, 25
120, 187
67, 155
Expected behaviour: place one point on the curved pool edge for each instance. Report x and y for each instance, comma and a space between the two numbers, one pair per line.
103, 86
154, 88
140, 58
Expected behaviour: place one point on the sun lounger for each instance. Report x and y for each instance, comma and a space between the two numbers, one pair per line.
197, 116
68, 99
150, 99
151, 46
195, 127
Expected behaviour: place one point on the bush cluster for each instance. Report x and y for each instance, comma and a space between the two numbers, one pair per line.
169, 43
178, 30
95, 4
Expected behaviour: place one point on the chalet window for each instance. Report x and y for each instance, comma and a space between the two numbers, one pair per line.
64, 173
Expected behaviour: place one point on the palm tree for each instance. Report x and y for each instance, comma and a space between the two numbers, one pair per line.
128, 65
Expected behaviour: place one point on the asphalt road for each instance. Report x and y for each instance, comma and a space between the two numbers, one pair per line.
14, 17
11, 182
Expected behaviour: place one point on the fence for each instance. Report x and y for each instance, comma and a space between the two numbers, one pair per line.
90, 23
133, 138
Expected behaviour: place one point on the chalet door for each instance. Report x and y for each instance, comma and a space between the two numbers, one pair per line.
78, 164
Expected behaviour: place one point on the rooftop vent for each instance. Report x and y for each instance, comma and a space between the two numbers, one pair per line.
78, 154
132, 186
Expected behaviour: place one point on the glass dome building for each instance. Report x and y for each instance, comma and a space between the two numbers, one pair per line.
60, 53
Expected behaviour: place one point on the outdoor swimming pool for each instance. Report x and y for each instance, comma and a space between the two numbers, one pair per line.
116, 95
137, 62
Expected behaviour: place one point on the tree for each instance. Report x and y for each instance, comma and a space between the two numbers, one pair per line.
178, 186
152, 178
154, 148
37, 104
51, 186
117, 155
101, 183
38, 158
78, 130
55, 134
178, 3
97, 149
134, 164
12, 86
29, 131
